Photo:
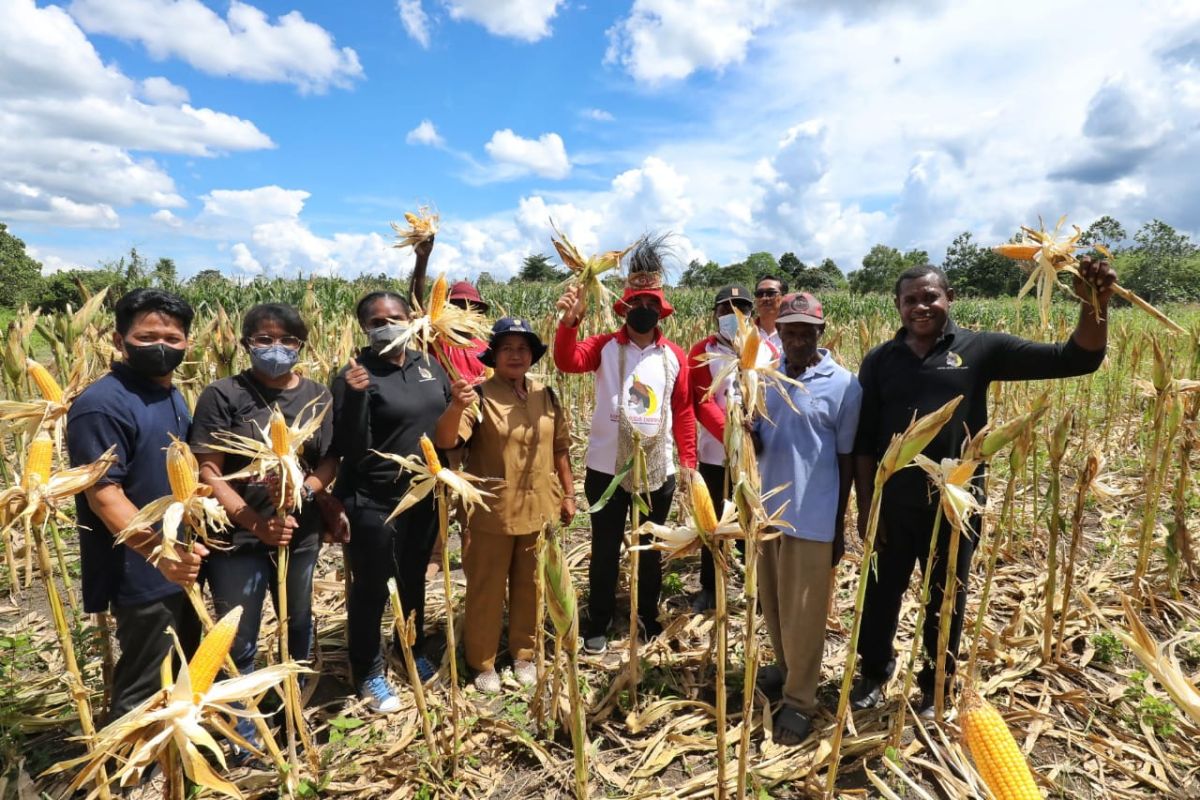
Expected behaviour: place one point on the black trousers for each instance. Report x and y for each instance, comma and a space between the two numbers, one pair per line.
714, 479
142, 634
608, 533
377, 551
908, 531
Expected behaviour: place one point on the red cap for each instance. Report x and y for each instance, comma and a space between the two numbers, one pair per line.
464, 290
801, 307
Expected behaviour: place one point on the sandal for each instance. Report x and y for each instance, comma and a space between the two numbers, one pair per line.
790, 726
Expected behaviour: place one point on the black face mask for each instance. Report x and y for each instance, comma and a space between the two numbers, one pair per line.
642, 319
153, 360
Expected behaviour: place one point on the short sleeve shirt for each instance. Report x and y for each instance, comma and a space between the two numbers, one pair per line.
800, 450
513, 448
138, 417
242, 405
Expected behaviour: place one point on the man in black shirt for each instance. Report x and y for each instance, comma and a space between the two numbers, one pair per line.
929, 362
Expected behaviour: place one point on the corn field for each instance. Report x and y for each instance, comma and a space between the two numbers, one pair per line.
1083, 619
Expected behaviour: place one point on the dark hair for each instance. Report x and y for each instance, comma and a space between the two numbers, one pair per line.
287, 316
363, 308
783, 287
152, 301
920, 271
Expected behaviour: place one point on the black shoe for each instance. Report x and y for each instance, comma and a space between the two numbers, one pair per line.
705, 600
867, 693
770, 681
790, 726
648, 629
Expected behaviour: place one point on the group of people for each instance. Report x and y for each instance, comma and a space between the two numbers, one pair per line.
514, 433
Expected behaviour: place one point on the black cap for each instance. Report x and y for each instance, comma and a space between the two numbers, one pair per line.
735, 293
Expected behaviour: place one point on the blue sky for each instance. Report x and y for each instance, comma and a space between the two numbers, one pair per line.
281, 137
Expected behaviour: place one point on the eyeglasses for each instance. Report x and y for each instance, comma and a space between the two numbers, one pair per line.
290, 342
761, 293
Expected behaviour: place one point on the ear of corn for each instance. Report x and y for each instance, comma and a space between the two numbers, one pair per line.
1020, 251
181, 470
996, 754
1058, 440
560, 592
703, 513
38, 461
44, 381
280, 438
431, 456
211, 653
437, 298
748, 358
904, 447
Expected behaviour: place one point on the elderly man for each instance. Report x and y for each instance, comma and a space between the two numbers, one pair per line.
809, 453
929, 362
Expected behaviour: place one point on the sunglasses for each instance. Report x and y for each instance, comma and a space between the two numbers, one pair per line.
761, 293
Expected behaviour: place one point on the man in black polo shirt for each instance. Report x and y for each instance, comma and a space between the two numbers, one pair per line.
928, 363
136, 408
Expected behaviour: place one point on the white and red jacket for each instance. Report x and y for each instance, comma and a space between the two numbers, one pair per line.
643, 389
710, 412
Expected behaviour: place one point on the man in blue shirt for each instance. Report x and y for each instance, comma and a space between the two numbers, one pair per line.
136, 408
810, 454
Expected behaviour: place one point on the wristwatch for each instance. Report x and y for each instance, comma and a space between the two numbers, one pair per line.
309, 493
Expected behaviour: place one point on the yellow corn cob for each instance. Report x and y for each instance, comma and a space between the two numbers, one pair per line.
1019, 251
431, 456
38, 461
437, 298
703, 513
996, 754
181, 470
211, 653
280, 438
44, 381
749, 354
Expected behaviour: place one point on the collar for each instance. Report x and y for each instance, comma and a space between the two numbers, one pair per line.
823, 368
623, 336
948, 332
137, 380
411, 357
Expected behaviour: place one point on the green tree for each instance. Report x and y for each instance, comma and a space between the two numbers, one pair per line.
20, 273
1163, 265
485, 279
165, 274
701, 275
762, 263
792, 268
135, 269
881, 266
537, 269
1104, 231
976, 271
824, 277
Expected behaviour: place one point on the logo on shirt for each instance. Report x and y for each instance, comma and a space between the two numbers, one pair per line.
425, 374
953, 360
641, 399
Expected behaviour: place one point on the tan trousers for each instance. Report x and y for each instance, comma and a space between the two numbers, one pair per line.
793, 588
496, 566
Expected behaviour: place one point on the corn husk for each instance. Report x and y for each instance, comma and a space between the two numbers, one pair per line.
418, 227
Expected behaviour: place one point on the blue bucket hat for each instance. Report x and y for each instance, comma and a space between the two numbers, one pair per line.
512, 325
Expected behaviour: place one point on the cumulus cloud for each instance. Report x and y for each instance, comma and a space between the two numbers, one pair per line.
415, 21
515, 156
664, 40
597, 115
245, 43
166, 217
527, 20
70, 123
425, 134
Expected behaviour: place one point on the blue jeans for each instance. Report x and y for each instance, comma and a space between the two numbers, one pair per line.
243, 576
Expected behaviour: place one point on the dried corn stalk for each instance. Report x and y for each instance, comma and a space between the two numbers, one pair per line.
586, 271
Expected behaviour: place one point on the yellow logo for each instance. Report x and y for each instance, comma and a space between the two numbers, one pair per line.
953, 359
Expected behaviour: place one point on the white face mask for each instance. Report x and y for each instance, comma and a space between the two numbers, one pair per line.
727, 326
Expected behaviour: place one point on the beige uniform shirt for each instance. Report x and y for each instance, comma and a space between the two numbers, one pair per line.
514, 445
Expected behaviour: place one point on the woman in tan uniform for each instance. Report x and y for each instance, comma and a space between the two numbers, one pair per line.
520, 446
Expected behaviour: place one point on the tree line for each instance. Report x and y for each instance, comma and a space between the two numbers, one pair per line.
1158, 262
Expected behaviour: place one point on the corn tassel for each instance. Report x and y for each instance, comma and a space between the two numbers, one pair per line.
181, 470
431, 456
280, 437
38, 462
210, 655
44, 381
996, 754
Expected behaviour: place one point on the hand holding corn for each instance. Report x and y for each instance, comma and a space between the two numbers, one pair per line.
1099, 274
185, 568
462, 394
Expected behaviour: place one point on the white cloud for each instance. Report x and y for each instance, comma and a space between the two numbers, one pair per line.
597, 115
515, 156
52, 262
416, 22
167, 218
664, 40
161, 91
248, 207
425, 134
527, 20
70, 122
245, 44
